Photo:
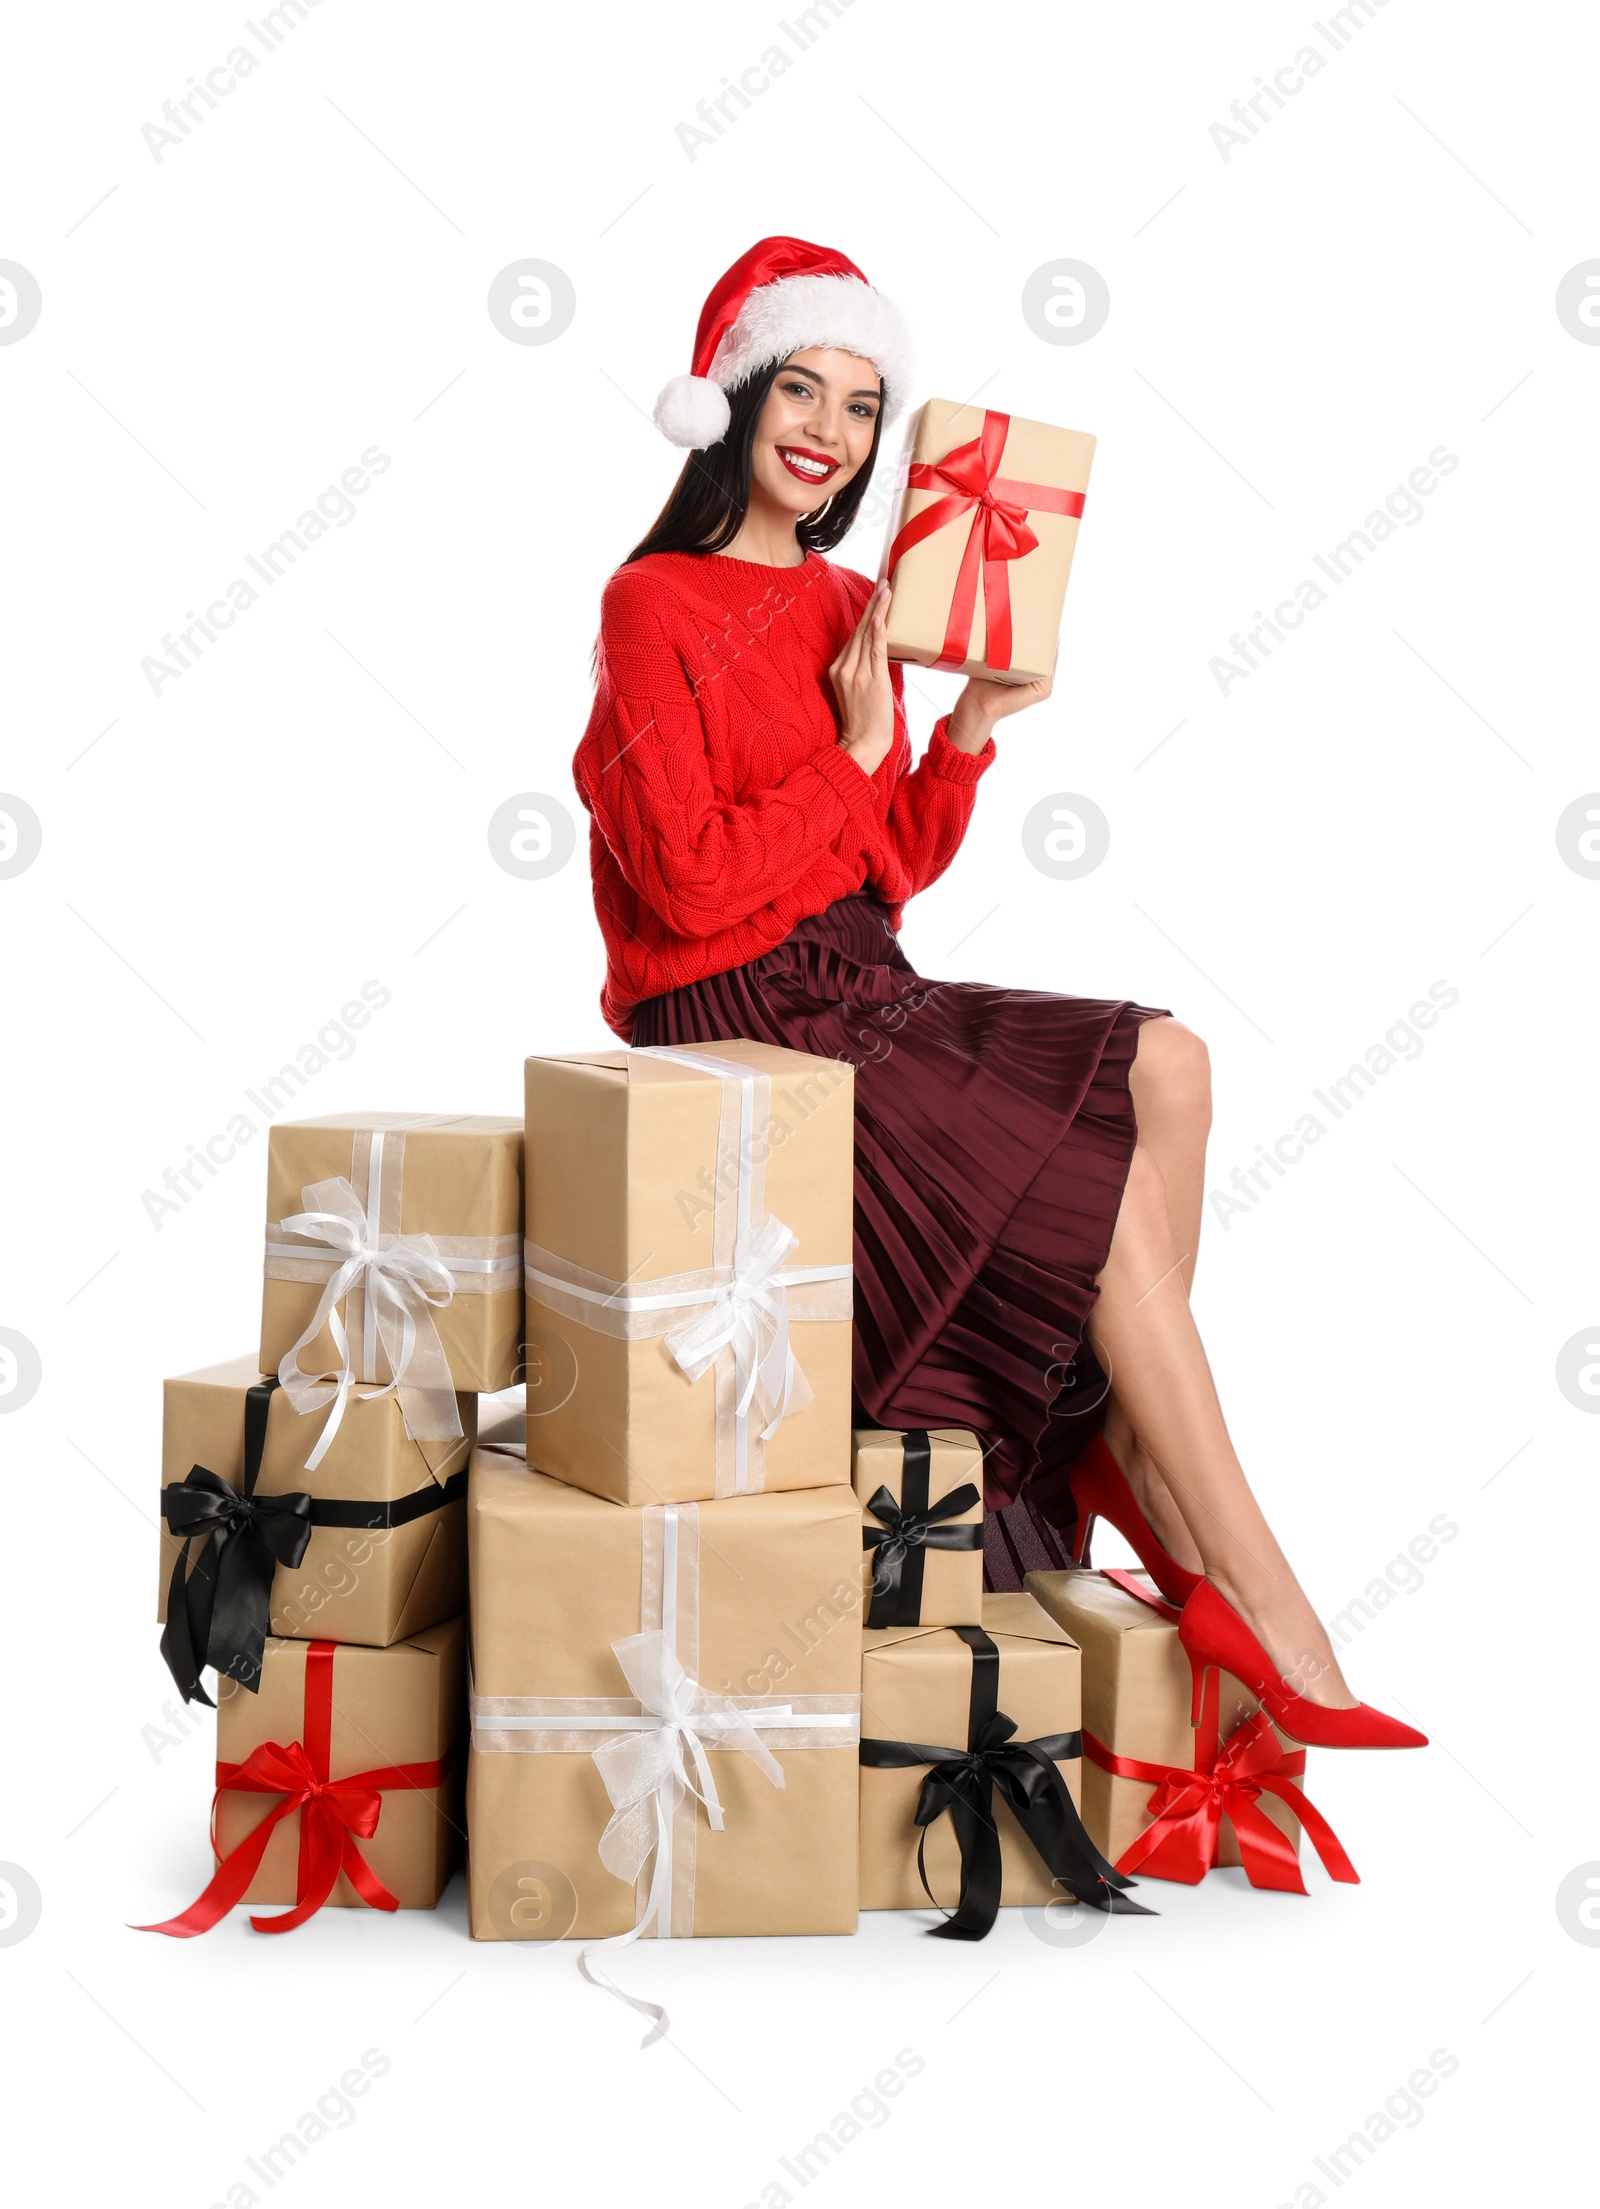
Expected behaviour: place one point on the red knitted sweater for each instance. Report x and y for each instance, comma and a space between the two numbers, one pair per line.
722, 808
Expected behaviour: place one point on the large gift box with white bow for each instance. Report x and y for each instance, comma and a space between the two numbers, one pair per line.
371, 1547
665, 1711
688, 1270
392, 1260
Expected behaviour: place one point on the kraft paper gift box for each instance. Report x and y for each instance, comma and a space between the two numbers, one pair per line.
1137, 1692
686, 1212
379, 1530
924, 1549
983, 540
574, 1601
932, 1688
438, 1201
382, 1726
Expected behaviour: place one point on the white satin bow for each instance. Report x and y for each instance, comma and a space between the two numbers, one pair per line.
401, 1281
750, 1313
647, 1773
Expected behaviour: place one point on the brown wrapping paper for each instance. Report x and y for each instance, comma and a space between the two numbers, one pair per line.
621, 1153
402, 1705
1136, 1695
916, 1685
374, 1586
952, 1580
461, 1176
924, 581
556, 1579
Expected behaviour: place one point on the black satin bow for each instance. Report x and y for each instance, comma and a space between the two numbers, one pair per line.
909, 1527
963, 1781
221, 1613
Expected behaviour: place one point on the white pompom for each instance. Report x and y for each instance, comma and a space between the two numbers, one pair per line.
693, 412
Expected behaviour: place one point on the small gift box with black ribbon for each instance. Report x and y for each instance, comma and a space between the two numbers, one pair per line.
1160, 1796
688, 1265
922, 1541
371, 1547
982, 544
971, 1755
338, 1782
393, 1261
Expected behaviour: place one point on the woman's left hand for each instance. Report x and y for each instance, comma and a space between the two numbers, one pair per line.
984, 702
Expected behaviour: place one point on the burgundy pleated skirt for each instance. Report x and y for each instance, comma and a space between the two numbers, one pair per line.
993, 1134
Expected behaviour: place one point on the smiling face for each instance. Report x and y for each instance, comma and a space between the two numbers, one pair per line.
816, 429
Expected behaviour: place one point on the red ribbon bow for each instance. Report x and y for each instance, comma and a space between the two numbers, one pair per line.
334, 1815
1189, 1806
970, 479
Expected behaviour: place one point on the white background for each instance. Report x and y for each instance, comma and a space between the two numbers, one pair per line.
1292, 331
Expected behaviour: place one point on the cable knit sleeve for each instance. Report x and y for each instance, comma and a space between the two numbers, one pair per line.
932, 805
692, 855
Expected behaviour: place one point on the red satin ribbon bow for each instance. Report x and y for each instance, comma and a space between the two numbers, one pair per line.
1189, 1806
334, 1815
970, 479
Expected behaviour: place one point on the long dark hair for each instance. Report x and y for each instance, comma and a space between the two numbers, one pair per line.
706, 508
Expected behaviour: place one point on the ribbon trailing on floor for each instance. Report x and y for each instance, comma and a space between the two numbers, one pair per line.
907, 1529
962, 1782
971, 483
335, 1814
219, 1598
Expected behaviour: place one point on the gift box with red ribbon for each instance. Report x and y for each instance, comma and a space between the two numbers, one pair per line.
982, 544
1161, 1797
339, 1781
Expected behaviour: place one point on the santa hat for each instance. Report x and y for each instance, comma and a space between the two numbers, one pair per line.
778, 298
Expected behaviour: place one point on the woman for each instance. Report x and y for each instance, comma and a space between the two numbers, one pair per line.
1029, 1168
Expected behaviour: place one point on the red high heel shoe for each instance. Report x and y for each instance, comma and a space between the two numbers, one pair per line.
1213, 1634
1100, 1490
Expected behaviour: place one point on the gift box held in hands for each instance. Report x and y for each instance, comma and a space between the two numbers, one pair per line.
690, 1229
982, 542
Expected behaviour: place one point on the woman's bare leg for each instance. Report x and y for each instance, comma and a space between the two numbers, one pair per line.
1145, 1336
1169, 1082
1170, 1085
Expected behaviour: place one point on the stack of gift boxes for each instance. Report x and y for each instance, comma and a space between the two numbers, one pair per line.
679, 1652
314, 1510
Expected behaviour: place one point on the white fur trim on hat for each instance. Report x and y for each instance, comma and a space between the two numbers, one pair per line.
693, 412
800, 311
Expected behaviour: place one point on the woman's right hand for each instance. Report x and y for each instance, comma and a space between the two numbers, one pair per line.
861, 687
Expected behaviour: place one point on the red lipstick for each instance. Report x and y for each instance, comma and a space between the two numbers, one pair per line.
807, 466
